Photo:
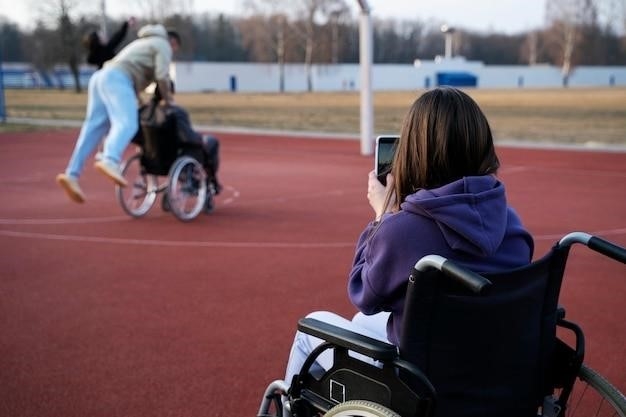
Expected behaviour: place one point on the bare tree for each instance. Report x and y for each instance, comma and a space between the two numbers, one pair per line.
566, 19
70, 40
337, 13
159, 10
269, 26
623, 13
155, 10
312, 12
529, 49
311, 9
37, 47
66, 39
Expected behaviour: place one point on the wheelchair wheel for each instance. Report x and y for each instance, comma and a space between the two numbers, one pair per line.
140, 193
187, 189
360, 408
593, 395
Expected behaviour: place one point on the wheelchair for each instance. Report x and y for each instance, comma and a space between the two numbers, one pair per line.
160, 153
471, 345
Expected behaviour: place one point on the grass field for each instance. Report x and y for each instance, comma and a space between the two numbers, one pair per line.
552, 115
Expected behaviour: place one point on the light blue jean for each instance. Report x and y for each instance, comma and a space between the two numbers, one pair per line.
112, 108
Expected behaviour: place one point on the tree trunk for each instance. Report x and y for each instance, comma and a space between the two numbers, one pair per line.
308, 62
76, 75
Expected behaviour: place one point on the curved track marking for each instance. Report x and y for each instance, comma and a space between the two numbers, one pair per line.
599, 233
84, 220
235, 195
148, 242
225, 244
307, 196
580, 172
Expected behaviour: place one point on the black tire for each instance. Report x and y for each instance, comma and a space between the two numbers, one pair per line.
593, 395
360, 408
139, 195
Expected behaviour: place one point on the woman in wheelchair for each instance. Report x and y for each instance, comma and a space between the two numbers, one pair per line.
187, 136
443, 197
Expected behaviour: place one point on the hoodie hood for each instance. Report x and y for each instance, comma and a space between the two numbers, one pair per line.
471, 213
152, 30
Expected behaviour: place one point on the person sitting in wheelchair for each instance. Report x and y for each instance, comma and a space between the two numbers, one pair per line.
442, 197
187, 136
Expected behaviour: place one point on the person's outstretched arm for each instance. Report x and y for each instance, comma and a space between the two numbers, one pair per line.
118, 36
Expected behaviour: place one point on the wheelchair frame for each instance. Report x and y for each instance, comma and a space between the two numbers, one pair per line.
185, 189
160, 154
356, 388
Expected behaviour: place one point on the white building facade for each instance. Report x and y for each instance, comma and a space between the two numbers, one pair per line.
265, 78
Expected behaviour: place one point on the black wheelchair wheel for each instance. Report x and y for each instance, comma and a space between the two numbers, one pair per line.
187, 189
140, 193
360, 408
593, 395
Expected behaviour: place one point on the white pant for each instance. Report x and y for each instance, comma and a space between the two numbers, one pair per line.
374, 326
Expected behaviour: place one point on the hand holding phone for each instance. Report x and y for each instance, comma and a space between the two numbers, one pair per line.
385, 151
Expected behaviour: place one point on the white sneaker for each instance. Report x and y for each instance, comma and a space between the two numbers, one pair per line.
71, 187
111, 171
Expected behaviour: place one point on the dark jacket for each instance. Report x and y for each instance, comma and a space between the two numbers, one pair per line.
467, 221
185, 132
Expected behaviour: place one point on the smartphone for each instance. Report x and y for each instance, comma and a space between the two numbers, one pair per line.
385, 150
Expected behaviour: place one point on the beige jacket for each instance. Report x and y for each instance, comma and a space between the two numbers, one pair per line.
146, 59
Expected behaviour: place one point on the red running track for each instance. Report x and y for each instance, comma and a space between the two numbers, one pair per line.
104, 315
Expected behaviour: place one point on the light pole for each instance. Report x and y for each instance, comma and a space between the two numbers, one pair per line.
103, 17
365, 62
448, 32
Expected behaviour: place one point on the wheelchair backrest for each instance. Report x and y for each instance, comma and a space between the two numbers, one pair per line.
486, 355
160, 145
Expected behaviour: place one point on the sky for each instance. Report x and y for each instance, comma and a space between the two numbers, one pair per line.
502, 16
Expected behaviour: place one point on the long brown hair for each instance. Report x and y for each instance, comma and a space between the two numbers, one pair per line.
445, 136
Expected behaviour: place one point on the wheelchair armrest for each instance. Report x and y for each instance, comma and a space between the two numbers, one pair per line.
356, 342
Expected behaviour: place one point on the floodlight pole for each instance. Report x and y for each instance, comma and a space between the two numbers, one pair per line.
448, 32
365, 64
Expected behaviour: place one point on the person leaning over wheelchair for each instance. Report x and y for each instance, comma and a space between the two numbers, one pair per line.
112, 105
186, 135
442, 197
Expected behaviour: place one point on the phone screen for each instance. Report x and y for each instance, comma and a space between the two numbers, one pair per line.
385, 150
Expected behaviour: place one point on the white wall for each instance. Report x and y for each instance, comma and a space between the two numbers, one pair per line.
264, 78
206, 76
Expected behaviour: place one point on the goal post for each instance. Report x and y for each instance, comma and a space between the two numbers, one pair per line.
366, 47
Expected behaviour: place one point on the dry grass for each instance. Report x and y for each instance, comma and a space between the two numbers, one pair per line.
558, 115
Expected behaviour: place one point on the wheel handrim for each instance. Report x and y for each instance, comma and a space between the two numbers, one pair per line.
139, 195
187, 189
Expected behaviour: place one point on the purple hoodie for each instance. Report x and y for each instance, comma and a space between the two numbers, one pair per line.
467, 221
